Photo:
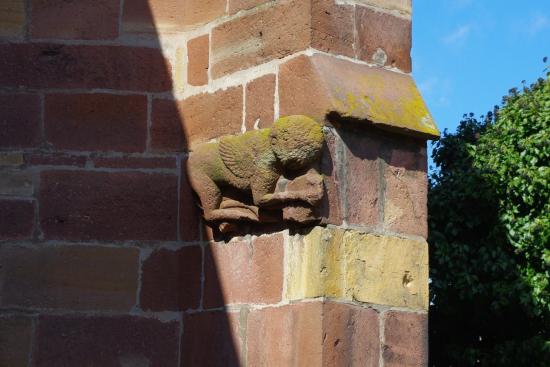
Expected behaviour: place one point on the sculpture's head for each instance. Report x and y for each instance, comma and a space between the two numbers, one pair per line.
297, 141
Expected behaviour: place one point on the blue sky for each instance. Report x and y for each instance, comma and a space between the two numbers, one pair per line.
467, 54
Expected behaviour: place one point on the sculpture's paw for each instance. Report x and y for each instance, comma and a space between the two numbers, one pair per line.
233, 214
269, 200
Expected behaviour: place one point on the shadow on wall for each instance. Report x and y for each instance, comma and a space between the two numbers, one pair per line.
95, 208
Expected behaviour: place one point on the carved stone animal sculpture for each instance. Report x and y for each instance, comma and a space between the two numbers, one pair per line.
254, 162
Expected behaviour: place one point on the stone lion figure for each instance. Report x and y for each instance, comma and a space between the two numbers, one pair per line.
253, 163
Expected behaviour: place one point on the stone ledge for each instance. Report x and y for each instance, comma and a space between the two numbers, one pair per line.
322, 85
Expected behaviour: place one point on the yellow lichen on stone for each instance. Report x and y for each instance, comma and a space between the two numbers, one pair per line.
386, 98
367, 268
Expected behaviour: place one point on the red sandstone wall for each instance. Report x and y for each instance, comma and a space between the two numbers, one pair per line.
103, 260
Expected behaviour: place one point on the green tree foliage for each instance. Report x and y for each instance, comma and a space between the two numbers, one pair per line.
489, 206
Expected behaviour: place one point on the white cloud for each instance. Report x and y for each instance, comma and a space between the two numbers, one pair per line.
458, 35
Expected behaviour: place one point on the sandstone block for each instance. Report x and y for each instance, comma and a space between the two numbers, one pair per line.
171, 280
202, 11
332, 210
332, 27
15, 340
106, 341
213, 339
16, 182
153, 17
43, 65
84, 19
406, 201
198, 53
12, 18
260, 99
384, 39
16, 219
358, 267
286, 336
96, 122
406, 339
190, 213
351, 336
167, 131
19, 120
206, 116
313, 334
69, 277
80, 205
362, 149
11, 159
271, 33
238, 272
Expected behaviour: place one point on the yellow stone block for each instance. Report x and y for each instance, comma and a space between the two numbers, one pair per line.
12, 18
11, 159
349, 265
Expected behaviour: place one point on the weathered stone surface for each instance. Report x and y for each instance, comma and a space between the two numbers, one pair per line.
16, 219
260, 97
384, 39
12, 18
362, 169
362, 267
69, 277
46, 65
16, 182
332, 27
202, 11
84, 205
316, 334
105, 341
213, 339
406, 206
198, 53
171, 280
351, 336
167, 133
207, 116
96, 122
321, 84
84, 19
19, 120
190, 213
153, 17
242, 273
286, 336
272, 33
255, 161
15, 340
406, 339
168, 16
